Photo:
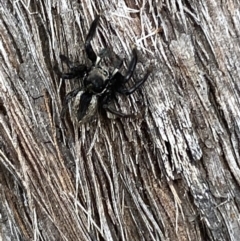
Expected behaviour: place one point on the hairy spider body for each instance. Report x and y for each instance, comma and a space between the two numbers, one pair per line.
99, 85
96, 80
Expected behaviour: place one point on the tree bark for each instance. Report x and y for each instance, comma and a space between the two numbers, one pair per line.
170, 172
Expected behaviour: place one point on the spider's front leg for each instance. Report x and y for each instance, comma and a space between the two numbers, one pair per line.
78, 70
131, 66
125, 79
88, 47
126, 91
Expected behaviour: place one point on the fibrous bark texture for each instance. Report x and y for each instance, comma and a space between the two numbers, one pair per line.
169, 172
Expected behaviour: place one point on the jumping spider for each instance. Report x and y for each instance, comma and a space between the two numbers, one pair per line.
99, 86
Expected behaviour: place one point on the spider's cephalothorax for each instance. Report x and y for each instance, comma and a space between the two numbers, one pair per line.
99, 86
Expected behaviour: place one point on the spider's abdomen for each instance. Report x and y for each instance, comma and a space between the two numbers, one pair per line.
84, 107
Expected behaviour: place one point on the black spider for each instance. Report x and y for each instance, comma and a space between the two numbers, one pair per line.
99, 86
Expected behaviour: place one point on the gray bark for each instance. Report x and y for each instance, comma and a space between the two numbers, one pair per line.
171, 172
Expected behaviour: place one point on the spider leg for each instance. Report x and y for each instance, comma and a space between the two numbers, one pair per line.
75, 71
105, 105
135, 87
66, 60
67, 98
88, 47
69, 75
115, 112
78, 71
118, 80
131, 66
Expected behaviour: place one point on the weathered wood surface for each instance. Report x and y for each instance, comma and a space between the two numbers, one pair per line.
169, 173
